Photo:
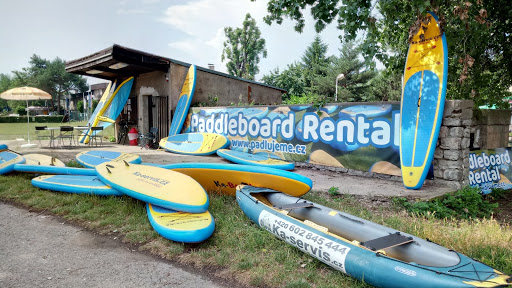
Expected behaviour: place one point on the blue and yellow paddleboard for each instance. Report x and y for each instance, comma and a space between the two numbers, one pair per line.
194, 143
261, 159
91, 159
42, 159
110, 106
158, 186
423, 97
181, 226
8, 160
181, 111
74, 184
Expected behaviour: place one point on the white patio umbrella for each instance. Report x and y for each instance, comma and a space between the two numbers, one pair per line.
26, 93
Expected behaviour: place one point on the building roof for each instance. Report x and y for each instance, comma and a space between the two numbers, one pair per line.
118, 62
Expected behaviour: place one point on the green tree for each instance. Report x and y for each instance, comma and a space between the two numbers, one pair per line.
5, 84
291, 79
51, 77
353, 86
243, 48
478, 34
314, 58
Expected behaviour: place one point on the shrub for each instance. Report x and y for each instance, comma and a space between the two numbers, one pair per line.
463, 204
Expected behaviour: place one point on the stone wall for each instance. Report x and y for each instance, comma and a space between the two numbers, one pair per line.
491, 129
451, 157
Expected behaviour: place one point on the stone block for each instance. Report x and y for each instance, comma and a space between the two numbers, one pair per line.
456, 132
443, 131
467, 114
466, 123
449, 107
453, 174
451, 143
467, 132
438, 173
452, 154
451, 122
438, 153
464, 144
444, 164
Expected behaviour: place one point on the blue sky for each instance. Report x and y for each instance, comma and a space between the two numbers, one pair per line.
187, 30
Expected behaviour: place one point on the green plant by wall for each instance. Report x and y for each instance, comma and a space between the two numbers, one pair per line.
463, 204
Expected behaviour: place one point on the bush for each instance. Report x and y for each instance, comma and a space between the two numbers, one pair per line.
20, 110
23, 119
464, 204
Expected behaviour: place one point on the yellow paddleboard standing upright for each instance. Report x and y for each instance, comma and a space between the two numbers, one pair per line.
109, 107
423, 97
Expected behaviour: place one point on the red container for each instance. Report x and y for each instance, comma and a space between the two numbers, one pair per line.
133, 135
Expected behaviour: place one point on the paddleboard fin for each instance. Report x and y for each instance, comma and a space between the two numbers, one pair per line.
126, 163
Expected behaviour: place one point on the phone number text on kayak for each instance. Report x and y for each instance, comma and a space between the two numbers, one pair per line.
325, 250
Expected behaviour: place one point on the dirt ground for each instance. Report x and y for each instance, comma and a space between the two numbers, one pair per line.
504, 213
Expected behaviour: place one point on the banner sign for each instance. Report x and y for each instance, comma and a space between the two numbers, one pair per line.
358, 136
490, 169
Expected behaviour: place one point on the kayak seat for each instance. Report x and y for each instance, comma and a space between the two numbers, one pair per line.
388, 241
294, 206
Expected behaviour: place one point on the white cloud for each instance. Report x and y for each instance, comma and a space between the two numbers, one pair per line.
204, 21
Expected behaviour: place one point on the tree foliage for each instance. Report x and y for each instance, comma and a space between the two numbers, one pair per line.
314, 59
46, 75
353, 87
243, 48
478, 34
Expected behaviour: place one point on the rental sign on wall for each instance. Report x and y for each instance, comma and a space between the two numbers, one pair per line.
357, 136
490, 169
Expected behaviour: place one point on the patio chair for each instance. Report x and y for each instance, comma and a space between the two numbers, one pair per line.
66, 132
96, 132
42, 134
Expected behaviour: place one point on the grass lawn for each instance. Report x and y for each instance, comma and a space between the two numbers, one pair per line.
12, 131
240, 250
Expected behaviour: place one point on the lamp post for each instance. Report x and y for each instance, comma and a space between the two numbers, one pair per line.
338, 78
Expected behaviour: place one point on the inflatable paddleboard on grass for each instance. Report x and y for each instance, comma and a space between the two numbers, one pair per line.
181, 226
41, 159
158, 186
423, 97
223, 178
375, 254
91, 159
261, 159
8, 159
74, 184
181, 111
194, 143
55, 170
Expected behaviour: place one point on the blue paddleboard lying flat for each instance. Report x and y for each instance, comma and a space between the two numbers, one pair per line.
181, 226
91, 159
8, 159
47, 169
74, 184
261, 159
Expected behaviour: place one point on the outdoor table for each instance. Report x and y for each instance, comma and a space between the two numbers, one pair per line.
52, 135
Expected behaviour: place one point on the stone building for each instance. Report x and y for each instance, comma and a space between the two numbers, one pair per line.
158, 83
